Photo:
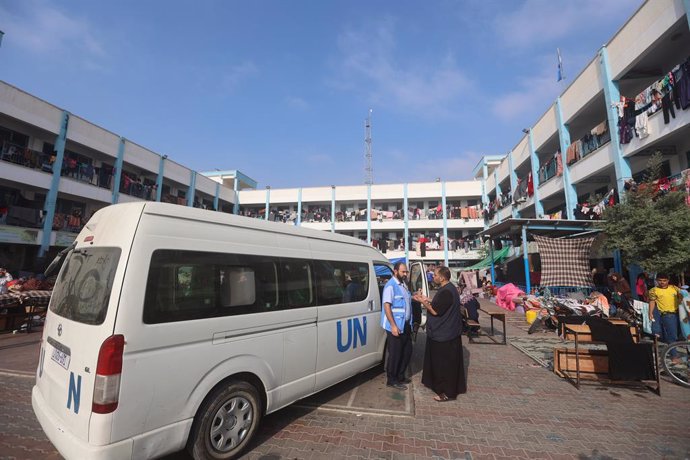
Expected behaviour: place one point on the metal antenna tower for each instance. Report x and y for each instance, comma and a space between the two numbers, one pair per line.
368, 165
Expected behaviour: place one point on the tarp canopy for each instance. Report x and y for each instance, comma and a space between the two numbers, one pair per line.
565, 262
382, 271
486, 263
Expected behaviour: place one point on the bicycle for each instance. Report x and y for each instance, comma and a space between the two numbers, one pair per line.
675, 361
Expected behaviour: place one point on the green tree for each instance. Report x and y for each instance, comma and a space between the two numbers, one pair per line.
651, 229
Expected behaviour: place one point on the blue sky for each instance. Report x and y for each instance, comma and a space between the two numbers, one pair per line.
280, 89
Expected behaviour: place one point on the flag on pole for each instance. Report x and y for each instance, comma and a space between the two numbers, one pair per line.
561, 75
1, 35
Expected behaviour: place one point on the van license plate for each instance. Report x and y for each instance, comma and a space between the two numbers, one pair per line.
61, 358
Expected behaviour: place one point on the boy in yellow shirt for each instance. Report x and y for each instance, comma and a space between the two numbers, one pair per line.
664, 300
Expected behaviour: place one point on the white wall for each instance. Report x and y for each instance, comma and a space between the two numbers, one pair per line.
141, 157
592, 164
581, 91
92, 136
176, 172
546, 127
521, 152
30, 109
651, 21
21, 175
82, 189
206, 185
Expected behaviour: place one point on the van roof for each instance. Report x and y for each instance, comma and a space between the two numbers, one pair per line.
220, 218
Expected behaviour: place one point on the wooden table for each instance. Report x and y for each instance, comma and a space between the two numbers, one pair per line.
498, 314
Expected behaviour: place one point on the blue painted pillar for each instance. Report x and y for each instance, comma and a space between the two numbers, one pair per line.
617, 261
491, 254
215, 198
369, 213
534, 161
611, 96
192, 189
525, 259
332, 208
686, 3
118, 170
268, 201
51, 196
445, 222
513, 183
498, 193
236, 188
485, 196
407, 224
568, 186
159, 179
299, 207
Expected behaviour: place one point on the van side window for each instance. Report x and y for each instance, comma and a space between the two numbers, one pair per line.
383, 274
186, 285
297, 283
341, 282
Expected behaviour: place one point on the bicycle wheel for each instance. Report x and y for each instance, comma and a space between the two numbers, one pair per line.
675, 362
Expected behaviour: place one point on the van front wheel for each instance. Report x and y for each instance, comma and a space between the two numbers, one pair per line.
226, 422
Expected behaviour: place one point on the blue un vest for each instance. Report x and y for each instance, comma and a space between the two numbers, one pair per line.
401, 300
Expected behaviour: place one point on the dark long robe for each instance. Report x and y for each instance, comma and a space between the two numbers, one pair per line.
444, 370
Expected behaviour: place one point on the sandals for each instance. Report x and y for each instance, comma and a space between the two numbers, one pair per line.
442, 398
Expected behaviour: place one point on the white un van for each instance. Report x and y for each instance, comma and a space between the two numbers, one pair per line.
173, 327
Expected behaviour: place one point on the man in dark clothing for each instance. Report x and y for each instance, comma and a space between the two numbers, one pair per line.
444, 370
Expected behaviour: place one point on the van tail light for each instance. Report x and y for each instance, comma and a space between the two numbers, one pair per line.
106, 391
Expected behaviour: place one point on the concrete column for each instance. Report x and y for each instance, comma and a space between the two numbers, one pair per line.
534, 161
215, 198
568, 186
611, 96
491, 255
236, 188
498, 192
513, 183
268, 202
192, 189
445, 222
332, 208
525, 259
159, 179
51, 196
369, 213
485, 195
118, 170
407, 224
617, 261
299, 207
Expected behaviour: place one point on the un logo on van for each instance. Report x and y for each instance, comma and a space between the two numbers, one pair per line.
356, 330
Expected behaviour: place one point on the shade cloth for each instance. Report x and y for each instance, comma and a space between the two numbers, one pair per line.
498, 255
565, 262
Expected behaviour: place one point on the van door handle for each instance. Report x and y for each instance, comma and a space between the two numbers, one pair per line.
371, 305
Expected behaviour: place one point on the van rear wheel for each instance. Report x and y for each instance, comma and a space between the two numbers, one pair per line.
226, 422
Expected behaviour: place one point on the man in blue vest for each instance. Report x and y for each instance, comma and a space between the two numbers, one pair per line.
396, 319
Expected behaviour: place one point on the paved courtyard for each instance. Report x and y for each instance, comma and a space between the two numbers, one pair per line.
514, 409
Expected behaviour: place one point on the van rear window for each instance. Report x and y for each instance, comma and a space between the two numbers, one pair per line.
83, 287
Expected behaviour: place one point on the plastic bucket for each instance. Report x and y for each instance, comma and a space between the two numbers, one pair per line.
531, 315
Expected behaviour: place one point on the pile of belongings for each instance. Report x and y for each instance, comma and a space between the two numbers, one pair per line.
575, 304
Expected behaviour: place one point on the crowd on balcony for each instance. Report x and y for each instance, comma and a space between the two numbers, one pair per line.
136, 186
668, 94
323, 214
26, 157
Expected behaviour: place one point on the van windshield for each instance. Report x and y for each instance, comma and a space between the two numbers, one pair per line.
82, 290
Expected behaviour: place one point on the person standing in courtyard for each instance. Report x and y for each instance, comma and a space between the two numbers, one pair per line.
396, 319
444, 370
664, 300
